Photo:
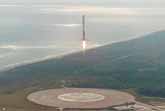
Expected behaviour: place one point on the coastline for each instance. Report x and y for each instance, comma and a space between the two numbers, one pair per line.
27, 62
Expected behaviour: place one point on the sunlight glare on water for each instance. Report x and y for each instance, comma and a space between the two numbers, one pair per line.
25, 25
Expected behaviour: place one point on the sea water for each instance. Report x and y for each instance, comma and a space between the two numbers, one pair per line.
31, 32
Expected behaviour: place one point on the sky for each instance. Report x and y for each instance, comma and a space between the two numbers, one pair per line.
118, 3
31, 29
50, 22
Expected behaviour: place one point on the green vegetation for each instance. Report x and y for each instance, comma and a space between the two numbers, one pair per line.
137, 64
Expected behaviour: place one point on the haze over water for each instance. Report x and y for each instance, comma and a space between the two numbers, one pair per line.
31, 31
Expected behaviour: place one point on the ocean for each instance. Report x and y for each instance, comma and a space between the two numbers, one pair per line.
34, 32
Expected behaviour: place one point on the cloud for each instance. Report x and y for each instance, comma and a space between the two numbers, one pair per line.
66, 25
5, 55
10, 5
110, 3
103, 10
13, 47
89, 10
16, 47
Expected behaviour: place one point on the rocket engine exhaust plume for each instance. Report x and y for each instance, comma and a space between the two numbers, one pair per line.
84, 44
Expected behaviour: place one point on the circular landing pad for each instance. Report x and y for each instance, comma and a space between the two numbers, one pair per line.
80, 98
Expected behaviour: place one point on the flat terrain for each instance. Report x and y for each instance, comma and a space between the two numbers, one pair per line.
111, 98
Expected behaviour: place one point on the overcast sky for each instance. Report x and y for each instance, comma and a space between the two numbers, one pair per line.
113, 3
56, 21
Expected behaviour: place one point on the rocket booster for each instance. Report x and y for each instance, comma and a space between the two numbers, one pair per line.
84, 33
83, 24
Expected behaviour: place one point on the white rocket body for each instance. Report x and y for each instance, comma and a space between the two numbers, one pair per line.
84, 44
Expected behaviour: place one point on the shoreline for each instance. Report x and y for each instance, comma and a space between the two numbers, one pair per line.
27, 62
